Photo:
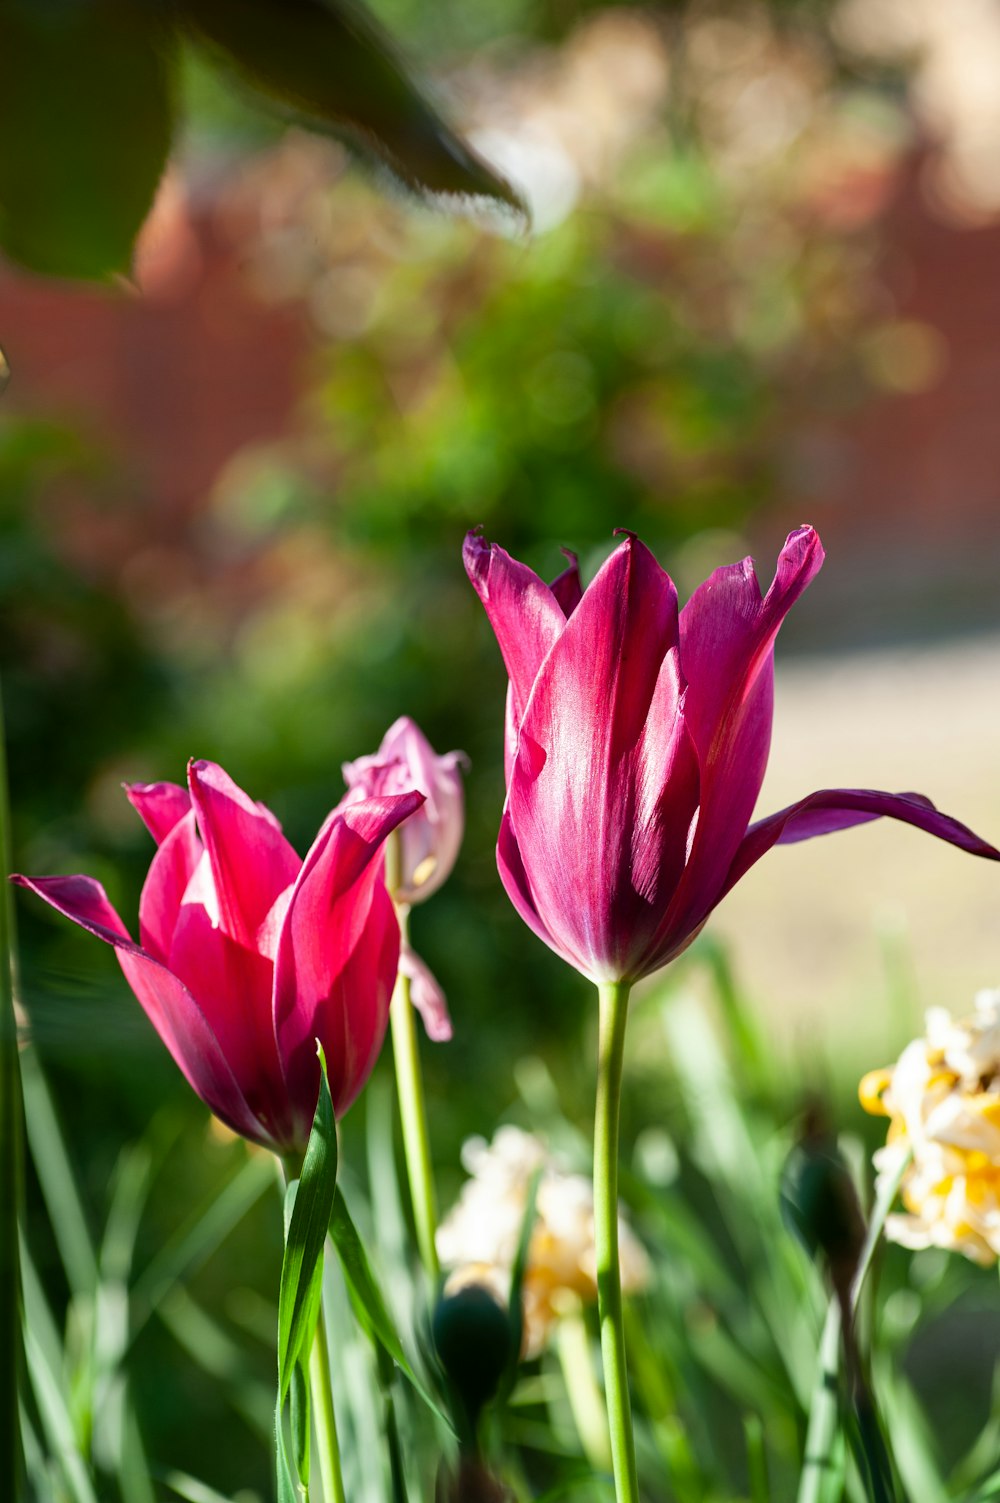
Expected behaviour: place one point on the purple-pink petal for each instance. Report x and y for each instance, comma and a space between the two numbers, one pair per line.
526, 617
727, 634
833, 809
599, 746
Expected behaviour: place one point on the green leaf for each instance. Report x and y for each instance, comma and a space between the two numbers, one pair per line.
515, 1304
85, 122
369, 1307
302, 1265
327, 62
362, 1286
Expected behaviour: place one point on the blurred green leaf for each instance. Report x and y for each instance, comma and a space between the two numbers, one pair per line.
328, 63
366, 1297
85, 122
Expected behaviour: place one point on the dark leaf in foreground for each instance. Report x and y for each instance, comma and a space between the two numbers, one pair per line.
327, 63
85, 119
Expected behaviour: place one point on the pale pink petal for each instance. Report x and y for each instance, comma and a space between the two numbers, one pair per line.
426, 995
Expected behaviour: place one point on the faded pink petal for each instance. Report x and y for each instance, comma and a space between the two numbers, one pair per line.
426, 994
430, 839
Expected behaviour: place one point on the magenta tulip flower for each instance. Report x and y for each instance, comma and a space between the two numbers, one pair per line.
248, 954
637, 740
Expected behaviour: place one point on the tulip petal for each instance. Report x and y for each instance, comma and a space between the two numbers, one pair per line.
526, 617
327, 920
232, 985
568, 593
833, 809
168, 1004
567, 587
160, 806
425, 994
727, 633
251, 861
166, 883
604, 786
350, 1021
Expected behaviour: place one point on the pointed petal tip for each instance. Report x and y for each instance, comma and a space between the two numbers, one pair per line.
803, 547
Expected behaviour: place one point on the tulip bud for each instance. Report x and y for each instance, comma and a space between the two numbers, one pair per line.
820, 1203
429, 844
471, 1483
472, 1337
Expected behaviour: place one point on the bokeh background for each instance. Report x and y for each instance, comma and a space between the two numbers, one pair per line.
761, 289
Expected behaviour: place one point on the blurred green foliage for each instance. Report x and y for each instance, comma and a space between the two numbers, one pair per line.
644, 362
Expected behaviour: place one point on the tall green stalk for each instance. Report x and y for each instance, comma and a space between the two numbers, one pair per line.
324, 1415
11, 1174
611, 1051
410, 1088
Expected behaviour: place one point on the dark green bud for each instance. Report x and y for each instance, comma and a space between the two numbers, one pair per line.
472, 1338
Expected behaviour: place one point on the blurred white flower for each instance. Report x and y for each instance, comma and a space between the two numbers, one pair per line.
478, 1239
943, 1101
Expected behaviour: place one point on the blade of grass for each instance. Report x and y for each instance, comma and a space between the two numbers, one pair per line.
11, 1172
200, 1237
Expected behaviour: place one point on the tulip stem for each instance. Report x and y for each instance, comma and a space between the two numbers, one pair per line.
413, 1115
611, 1050
325, 1416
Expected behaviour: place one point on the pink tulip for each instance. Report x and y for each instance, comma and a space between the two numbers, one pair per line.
248, 954
636, 746
429, 840
431, 837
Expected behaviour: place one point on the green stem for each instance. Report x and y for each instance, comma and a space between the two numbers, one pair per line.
11, 1174
324, 1415
611, 1051
412, 1112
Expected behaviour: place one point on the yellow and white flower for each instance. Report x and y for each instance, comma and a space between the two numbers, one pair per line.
943, 1101
478, 1239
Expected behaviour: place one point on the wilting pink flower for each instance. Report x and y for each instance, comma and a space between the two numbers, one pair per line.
636, 746
431, 837
429, 840
248, 954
